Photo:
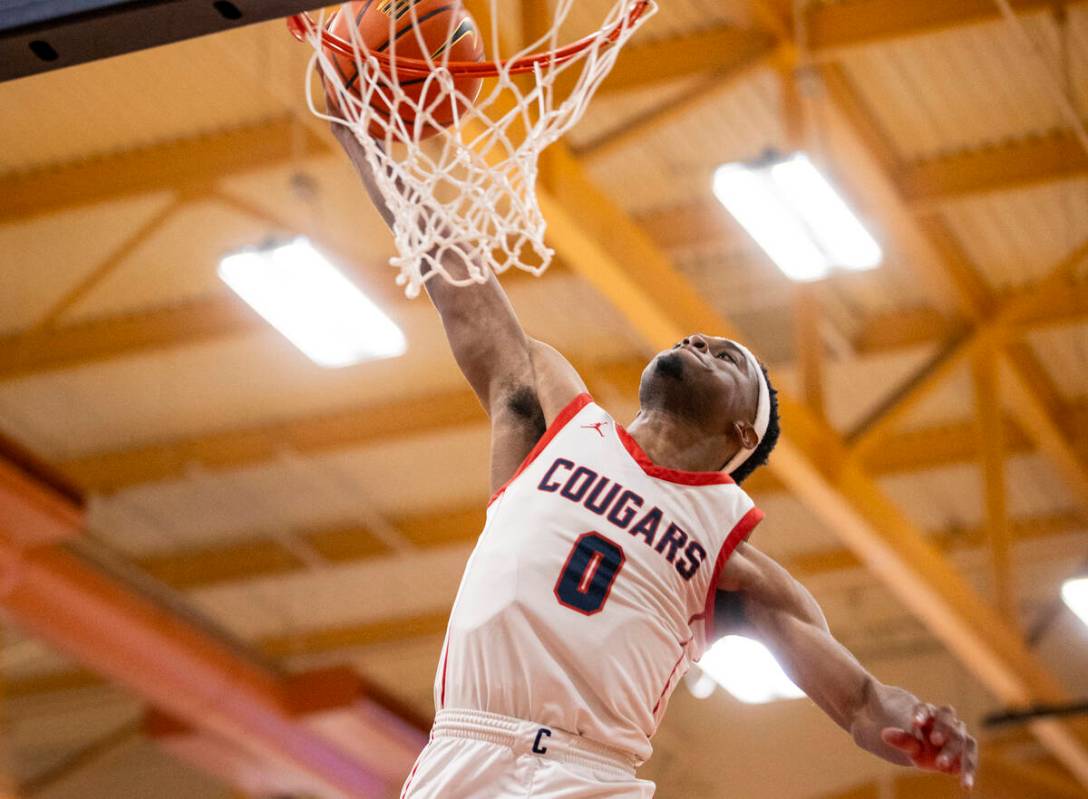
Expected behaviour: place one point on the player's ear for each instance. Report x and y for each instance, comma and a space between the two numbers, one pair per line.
746, 434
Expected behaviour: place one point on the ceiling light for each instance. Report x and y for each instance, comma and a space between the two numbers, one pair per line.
796, 216
1075, 595
301, 294
747, 670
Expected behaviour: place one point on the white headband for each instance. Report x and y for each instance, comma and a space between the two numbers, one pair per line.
763, 411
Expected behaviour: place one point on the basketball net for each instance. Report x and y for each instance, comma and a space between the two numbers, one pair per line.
467, 195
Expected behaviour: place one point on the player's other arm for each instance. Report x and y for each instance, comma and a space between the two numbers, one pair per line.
522, 383
764, 601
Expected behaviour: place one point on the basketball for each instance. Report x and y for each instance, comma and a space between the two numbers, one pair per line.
398, 28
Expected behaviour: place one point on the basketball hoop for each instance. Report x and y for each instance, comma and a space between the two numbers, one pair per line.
458, 172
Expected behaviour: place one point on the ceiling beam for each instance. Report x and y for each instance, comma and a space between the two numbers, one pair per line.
675, 58
739, 63
356, 426
218, 318
170, 167
835, 26
126, 335
991, 444
1005, 167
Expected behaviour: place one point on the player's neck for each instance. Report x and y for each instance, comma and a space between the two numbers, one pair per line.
676, 443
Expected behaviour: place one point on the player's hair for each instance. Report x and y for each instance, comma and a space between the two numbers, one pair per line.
762, 452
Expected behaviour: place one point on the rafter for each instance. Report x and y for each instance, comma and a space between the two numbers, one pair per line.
70, 346
219, 318
835, 26
674, 58
991, 435
357, 425
989, 331
196, 162
1005, 167
753, 53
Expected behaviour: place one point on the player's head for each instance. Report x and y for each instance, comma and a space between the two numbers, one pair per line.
719, 385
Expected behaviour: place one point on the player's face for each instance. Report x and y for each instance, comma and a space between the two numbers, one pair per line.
706, 379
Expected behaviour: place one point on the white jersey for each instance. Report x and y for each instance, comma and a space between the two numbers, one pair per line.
591, 588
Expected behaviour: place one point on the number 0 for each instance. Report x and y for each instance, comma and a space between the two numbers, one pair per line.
587, 578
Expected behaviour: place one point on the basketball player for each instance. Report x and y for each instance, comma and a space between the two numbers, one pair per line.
594, 583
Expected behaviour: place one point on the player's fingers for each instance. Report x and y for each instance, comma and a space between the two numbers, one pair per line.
922, 716
949, 758
970, 763
946, 726
901, 740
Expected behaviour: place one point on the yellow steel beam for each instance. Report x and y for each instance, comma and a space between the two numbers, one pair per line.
355, 427
24, 354
999, 168
674, 58
809, 346
753, 52
834, 26
196, 162
206, 320
358, 425
694, 224
108, 265
973, 298
991, 434
987, 332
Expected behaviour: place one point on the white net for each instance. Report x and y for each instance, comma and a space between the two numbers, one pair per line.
458, 171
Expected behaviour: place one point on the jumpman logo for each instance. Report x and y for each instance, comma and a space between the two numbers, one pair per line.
596, 426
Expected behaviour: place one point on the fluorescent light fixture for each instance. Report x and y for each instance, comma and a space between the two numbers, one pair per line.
1075, 595
746, 669
301, 294
797, 217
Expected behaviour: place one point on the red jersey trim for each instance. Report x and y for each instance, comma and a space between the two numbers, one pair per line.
670, 475
558, 423
741, 530
668, 682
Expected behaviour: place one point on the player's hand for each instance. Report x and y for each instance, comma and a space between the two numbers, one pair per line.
937, 741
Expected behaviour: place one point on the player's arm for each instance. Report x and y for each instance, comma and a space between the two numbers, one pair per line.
522, 383
762, 600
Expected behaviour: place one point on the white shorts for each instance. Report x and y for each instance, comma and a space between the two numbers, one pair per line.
475, 755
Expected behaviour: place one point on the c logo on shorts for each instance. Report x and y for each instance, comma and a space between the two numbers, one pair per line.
537, 748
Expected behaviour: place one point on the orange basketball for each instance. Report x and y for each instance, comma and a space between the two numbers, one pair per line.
397, 27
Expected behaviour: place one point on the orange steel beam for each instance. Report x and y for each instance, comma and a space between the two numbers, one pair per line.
336, 702
55, 595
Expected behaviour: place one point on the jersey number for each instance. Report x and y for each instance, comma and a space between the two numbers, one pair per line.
587, 578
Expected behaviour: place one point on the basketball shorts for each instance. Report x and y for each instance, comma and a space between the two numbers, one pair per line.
475, 755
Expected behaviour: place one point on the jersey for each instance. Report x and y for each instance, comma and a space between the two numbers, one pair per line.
590, 590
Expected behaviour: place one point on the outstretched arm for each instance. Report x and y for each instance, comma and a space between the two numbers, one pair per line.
522, 383
764, 601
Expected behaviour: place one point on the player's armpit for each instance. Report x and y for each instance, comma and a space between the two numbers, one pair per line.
555, 380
